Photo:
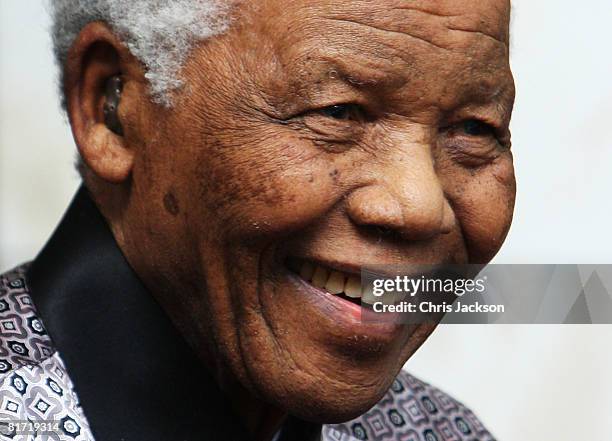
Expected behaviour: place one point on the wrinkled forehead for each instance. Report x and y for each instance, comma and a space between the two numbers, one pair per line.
392, 42
488, 17
438, 22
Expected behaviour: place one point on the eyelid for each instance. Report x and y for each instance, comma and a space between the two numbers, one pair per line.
498, 130
455, 122
501, 136
490, 114
332, 131
314, 107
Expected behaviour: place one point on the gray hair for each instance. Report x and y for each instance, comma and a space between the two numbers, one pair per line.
159, 33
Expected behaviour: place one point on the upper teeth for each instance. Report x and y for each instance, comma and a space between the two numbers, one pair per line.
353, 287
334, 281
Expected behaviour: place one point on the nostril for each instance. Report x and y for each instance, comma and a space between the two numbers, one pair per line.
379, 233
385, 231
408, 232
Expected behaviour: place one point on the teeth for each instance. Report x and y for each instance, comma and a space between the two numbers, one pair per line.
335, 284
368, 296
307, 271
353, 287
319, 279
396, 298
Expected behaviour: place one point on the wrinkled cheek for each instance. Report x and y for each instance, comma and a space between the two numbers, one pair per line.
267, 190
293, 201
484, 203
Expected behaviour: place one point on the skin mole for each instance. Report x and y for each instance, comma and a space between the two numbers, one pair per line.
171, 203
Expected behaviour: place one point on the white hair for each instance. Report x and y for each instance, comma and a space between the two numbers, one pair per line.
159, 33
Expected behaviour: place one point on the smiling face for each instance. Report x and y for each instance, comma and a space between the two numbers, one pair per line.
314, 138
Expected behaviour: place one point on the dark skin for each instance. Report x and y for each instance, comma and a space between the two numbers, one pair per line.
345, 134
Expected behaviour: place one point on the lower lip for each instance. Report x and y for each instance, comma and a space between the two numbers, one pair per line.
348, 315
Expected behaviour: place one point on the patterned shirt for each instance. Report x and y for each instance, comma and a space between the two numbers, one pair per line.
125, 395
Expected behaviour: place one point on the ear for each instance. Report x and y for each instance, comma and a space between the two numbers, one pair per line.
95, 57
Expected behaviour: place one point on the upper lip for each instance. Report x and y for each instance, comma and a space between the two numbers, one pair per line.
344, 267
392, 270
348, 268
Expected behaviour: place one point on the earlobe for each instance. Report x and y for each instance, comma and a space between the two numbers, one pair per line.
105, 154
95, 72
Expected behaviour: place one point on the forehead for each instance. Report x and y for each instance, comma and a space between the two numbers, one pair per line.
390, 44
418, 18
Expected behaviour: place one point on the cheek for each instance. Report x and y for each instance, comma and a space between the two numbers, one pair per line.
272, 186
483, 201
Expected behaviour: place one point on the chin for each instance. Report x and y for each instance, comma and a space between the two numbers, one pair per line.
327, 403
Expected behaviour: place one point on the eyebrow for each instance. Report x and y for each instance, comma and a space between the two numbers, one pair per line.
360, 72
484, 92
370, 75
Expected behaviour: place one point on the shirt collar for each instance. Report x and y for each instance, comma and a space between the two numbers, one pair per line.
136, 377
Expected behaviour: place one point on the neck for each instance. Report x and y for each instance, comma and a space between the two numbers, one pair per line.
262, 420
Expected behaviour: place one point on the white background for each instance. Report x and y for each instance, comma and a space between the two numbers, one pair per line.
526, 382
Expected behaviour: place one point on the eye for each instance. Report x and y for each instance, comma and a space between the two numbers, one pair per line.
473, 142
343, 112
475, 127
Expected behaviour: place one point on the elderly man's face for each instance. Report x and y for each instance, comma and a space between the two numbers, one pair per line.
339, 134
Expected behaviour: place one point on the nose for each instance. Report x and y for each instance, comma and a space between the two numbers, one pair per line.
407, 198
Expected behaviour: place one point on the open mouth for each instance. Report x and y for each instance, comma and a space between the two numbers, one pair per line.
333, 281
